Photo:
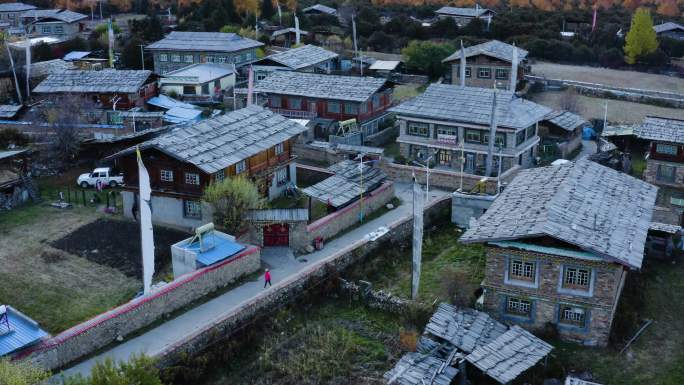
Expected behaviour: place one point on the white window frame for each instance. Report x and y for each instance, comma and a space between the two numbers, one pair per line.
241, 166
572, 315
192, 178
279, 148
281, 176
666, 149
416, 129
518, 307
176, 58
192, 209
163, 57
484, 72
59, 29
505, 71
166, 175
188, 58
220, 176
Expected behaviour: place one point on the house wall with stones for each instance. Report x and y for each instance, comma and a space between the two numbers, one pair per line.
96, 333
485, 62
547, 295
654, 173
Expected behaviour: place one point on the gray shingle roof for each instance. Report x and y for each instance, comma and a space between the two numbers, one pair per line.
60, 14
661, 129
351, 88
464, 328
472, 105
15, 7
302, 57
565, 120
419, 369
216, 143
320, 8
593, 207
203, 41
279, 215
105, 81
345, 185
8, 110
45, 68
669, 26
509, 355
456, 11
493, 48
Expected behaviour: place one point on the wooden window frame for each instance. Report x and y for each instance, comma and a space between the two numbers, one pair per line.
577, 278
190, 213
241, 166
520, 269
166, 175
518, 307
190, 177
417, 128
569, 315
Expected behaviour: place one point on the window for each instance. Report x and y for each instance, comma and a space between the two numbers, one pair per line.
221, 59
576, 278
520, 138
189, 90
166, 175
364, 107
473, 136
175, 58
521, 270
517, 306
502, 73
444, 157
47, 29
500, 139
295, 103
418, 129
484, 73
281, 176
279, 148
192, 209
59, 29
209, 59
220, 176
192, 178
351, 108
163, 57
447, 130
188, 58
667, 149
665, 173
530, 131
334, 107
458, 71
376, 101
240, 166
572, 315
276, 102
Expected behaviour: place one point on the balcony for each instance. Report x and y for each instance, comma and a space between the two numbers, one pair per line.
295, 114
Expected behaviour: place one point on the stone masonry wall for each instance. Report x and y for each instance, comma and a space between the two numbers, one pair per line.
651, 173
546, 297
288, 289
88, 337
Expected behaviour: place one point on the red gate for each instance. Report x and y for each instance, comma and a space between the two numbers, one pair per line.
276, 235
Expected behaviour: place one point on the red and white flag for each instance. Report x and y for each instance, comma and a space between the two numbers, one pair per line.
593, 21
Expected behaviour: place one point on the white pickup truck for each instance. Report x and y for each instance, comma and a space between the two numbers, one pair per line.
102, 174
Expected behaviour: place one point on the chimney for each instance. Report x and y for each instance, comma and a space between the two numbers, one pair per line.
492, 137
463, 65
514, 69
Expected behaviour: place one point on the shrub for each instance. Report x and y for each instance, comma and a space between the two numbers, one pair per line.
231, 199
139, 370
20, 373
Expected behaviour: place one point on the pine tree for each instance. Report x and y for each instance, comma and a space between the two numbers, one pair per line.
641, 38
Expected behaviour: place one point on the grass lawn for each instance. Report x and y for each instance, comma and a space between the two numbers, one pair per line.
638, 164
406, 91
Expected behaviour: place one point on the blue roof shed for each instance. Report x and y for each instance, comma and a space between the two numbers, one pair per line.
17, 330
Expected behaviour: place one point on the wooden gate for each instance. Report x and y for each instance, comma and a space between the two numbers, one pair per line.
276, 235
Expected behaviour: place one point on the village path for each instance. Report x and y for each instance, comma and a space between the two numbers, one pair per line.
282, 266
588, 148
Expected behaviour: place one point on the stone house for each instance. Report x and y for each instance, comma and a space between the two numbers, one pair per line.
307, 58
665, 155
463, 16
181, 49
252, 141
562, 130
560, 242
450, 126
488, 65
59, 23
10, 12
198, 83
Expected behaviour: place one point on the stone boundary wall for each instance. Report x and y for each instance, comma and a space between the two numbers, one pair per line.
450, 180
286, 291
332, 224
317, 154
382, 137
102, 330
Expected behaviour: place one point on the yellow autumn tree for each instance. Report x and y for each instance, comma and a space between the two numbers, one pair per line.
668, 8
641, 39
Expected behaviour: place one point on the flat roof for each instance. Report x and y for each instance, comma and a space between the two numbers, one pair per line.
197, 73
23, 331
223, 248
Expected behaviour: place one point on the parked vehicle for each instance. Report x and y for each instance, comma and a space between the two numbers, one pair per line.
104, 175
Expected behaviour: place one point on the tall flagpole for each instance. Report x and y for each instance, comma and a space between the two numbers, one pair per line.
146, 231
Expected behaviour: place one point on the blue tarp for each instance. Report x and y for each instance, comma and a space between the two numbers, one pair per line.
23, 331
222, 249
588, 133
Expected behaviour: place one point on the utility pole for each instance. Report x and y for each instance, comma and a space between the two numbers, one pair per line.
492, 138
142, 56
417, 238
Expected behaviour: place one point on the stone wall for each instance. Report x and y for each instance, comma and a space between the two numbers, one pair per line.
287, 290
104, 329
651, 173
546, 295
309, 175
317, 154
348, 216
382, 137
298, 239
450, 180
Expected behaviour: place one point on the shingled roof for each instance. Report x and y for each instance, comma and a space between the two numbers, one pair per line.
104, 81
565, 120
467, 12
465, 328
203, 41
472, 105
661, 129
64, 15
320, 8
493, 48
216, 143
351, 88
669, 26
595, 208
16, 7
302, 57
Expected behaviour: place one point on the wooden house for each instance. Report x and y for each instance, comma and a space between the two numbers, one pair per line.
463, 16
665, 152
488, 65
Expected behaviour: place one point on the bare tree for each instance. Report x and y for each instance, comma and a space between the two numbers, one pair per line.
569, 101
66, 116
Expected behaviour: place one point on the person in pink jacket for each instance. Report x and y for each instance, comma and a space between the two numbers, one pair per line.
267, 278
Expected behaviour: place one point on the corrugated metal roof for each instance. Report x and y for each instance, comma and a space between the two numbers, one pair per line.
456, 11
104, 81
288, 30
472, 105
595, 208
346, 184
204, 41
279, 215
166, 102
367, 150
23, 331
75, 55
493, 48
548, 250
303, 57
661, 129
218, 246
11, 153
214, 144
509, 355
335, 87
384, 65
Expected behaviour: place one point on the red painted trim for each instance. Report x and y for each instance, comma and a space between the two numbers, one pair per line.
131, 305
326, 219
